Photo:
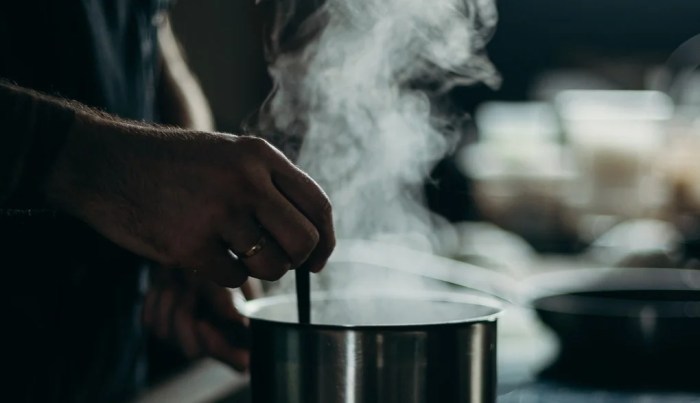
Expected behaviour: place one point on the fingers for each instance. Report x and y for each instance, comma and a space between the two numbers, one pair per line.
270, 262
168, 313
200, 318
184, 327
149, 308
252, 289
293, 211
215, 345
220, 301
163, 316
297, 236
310, 199
218, 265
220, 312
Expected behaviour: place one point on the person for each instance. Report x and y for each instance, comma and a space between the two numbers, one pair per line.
122, 209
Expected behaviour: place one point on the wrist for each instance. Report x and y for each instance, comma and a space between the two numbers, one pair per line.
83, 166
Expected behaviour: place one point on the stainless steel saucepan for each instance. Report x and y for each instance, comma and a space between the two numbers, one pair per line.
374, 347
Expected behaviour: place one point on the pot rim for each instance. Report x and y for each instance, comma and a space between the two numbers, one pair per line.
250, 308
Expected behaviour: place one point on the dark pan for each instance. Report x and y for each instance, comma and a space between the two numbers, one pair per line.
622, 327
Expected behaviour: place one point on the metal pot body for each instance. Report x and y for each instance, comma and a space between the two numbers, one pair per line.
451, 362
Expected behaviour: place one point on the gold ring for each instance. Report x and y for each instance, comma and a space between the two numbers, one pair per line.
253, 250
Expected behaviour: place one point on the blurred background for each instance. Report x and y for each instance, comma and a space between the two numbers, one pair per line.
586, 155
592, 126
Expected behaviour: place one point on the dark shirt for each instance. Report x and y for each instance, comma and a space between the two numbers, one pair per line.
99, 52
71, 299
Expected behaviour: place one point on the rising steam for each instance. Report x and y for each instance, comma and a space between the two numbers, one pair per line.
359, 92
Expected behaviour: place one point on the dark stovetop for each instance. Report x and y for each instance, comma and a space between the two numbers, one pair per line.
527, 370
551, 392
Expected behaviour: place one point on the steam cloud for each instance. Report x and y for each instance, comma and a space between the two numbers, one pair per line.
359, 93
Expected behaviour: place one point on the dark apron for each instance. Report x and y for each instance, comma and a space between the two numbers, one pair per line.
72, 299
72, 303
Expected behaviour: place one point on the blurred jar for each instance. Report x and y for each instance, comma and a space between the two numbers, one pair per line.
680, 166
521, 172
616, 138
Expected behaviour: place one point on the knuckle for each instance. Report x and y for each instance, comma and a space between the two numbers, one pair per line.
326, 211
272, 272
330, 245
228, 281
310, 237
272, 275
264, 275
327, 206
256, 144
228, 276
306, 243
254, 177
276, 275
238, 281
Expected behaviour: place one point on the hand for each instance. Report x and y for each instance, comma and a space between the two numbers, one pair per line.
194, 200
197, 316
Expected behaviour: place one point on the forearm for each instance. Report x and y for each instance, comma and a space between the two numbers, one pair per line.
33, 128
52, 148
182, 198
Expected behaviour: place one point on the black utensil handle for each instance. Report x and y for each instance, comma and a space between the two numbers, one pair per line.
303, 295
